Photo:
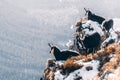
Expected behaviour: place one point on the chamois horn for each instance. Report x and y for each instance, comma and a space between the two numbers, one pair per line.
85, 9
51, 45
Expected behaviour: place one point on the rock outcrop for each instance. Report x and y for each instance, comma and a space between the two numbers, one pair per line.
104, 64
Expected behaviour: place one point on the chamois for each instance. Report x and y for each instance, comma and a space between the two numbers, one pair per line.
105, 24
90, 41
61, 55
93, 17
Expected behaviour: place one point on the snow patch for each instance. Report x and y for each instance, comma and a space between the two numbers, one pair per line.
72, 27
81, 73
116, 25
69, 43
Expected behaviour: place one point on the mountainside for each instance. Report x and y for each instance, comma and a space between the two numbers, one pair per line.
104, 64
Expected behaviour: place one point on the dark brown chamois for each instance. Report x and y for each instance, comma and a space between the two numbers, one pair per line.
61, 55
93, 17
105, 24
90, 41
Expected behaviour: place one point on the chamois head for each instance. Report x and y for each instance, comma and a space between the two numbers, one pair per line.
88, 12
54, 49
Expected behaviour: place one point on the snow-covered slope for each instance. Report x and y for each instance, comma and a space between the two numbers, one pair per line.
81, 73
102, 65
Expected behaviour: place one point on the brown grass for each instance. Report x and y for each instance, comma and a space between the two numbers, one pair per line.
114, 62
70, 66
48, 74
106, 63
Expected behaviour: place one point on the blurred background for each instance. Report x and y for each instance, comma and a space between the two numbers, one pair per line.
27, 26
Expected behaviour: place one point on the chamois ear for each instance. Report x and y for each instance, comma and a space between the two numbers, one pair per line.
51, 45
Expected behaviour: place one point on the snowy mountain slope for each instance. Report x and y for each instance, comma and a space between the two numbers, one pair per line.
102, 65
80, 73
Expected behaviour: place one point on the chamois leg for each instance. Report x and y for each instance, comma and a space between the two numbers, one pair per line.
87, 51
93, 50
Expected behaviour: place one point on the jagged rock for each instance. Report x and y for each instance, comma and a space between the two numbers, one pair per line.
88, 68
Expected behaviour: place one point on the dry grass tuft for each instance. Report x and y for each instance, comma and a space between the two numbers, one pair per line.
48, 74
111, 49
76, 58
70, 66
51, 63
